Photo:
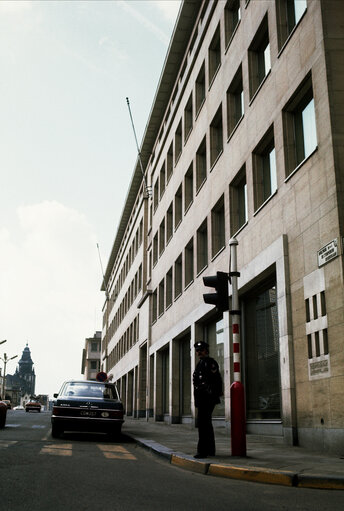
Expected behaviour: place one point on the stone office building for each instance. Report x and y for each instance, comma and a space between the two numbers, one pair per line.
90, 362
244, 140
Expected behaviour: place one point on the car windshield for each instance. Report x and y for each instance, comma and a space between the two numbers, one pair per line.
90, 390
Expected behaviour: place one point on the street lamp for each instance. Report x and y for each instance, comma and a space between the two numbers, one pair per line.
5, 360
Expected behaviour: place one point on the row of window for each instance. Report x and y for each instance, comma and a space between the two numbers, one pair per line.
127, 301
125, 343
191, 261
299, 142
259, 62
133, 250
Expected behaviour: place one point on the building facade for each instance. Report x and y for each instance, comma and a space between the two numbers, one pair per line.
90, 364
23, 381
244, 140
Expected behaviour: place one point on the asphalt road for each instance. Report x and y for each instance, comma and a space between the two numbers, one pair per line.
87, 472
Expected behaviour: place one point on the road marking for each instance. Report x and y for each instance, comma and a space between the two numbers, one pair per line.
12, 425
57, 449
116, 452
8, 443
38, 426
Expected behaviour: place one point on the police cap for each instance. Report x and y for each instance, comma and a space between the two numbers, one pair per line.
201, 345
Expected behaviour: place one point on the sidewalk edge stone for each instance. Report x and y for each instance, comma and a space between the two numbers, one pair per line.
155, 447
256, 474
320, 482
188, 463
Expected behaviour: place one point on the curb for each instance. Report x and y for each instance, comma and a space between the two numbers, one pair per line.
320, 482
256, 474
253, 474
186, 462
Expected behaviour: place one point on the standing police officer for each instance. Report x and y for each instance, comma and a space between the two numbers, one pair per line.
207, 383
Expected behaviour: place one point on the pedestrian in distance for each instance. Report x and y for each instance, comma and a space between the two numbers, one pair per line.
207, 384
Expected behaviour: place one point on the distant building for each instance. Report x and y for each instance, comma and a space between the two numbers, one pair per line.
90, 364
24, 379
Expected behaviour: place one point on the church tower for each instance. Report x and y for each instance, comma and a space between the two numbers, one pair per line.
26, 372
24, 378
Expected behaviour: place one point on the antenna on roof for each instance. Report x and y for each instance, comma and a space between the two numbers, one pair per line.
101, 266
148, 189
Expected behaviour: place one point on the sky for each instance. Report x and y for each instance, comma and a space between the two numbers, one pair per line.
67, 153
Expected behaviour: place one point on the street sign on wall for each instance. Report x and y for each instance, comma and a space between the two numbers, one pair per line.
328, 252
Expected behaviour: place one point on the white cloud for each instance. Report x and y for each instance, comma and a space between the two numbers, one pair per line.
49, 290
15, 6
107, 43
128, 7
169, 8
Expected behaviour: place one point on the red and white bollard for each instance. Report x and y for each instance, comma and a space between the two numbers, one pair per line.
237, 394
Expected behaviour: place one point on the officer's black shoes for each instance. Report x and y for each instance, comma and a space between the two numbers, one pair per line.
200, 455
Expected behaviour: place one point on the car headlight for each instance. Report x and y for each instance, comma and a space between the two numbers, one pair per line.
105, 414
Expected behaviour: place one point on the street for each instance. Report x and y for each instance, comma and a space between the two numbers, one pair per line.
87, 472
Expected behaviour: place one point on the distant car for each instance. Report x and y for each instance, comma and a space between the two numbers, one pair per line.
33, 406
87, 406
8, 403
3, 413
19, 407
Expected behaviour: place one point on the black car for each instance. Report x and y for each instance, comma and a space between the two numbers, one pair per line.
87, 405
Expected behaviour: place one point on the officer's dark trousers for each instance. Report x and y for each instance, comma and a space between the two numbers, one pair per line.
206, 439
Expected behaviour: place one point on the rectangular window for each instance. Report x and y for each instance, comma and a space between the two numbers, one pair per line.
259, 57
178, 142
200, 89
178, 275
289, 13
169, 288
188, 118
178, 207
218, 227
264, 169
201, 164
214, 55
156, 194
162, 237
202, 246
161, 297
155, 249
232, 19
169, 223
261, 348
169, 163
238, 201
154, 306
216, 137
188, 188
299, 126
189, 263
162, 180
140, 277
235, 102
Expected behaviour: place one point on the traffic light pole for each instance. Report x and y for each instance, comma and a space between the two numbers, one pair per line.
238, 412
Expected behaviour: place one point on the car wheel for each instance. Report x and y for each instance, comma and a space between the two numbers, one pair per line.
2, 422
55, 431
115, 433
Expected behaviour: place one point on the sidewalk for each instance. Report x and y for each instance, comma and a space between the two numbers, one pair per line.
267, 460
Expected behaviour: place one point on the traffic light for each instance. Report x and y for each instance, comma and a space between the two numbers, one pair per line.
220, 298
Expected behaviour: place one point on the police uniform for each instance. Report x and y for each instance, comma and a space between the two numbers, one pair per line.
207, 391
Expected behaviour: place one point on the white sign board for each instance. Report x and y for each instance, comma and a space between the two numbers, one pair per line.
328, 252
